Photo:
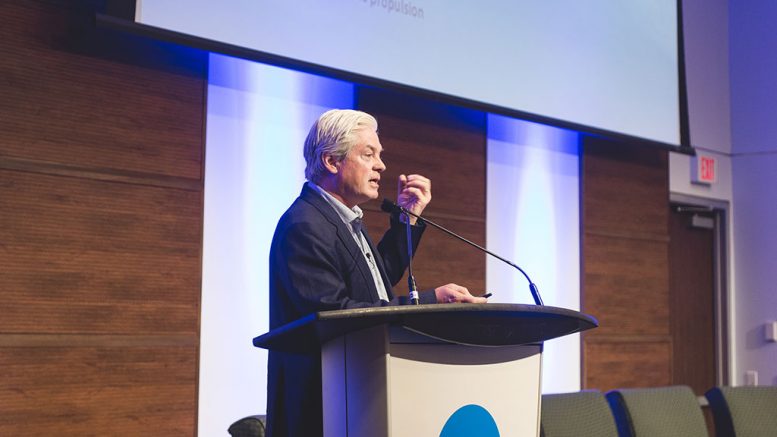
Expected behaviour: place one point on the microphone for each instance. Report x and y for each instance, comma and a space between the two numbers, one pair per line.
391, 207
412, 289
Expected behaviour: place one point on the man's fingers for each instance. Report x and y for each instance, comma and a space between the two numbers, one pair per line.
422, 183
450, 293
414, 192
401, 182
468, 298
414, 180
418, 178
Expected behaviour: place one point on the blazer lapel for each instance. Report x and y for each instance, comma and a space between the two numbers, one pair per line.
344, 234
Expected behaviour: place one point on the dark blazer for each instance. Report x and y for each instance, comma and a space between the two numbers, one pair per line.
315, 265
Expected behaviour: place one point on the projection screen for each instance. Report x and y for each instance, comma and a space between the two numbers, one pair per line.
603, 66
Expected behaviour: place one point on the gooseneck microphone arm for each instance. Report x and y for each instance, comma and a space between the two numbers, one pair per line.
389, 206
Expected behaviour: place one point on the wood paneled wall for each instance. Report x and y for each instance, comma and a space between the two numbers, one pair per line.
101, 152
625, 253
447, 145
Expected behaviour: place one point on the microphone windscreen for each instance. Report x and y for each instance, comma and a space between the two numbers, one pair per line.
388, 206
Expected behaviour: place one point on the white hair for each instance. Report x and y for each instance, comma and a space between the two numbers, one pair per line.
334, 133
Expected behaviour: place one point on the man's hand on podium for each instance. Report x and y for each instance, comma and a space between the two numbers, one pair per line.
453, 293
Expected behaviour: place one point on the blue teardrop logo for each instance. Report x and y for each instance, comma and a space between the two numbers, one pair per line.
470, 420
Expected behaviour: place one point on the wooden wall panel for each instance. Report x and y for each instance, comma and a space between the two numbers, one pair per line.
63, 102
72, 390
626, 190
101, 149
625, 274
626, 362
97, 256
441, 260
628, 296
447, 145
444, 143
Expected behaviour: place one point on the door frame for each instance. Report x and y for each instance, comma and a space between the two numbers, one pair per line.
720, 210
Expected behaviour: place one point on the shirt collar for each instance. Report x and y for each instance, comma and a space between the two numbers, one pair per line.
347, 215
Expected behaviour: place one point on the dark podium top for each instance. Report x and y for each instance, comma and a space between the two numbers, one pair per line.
471, 324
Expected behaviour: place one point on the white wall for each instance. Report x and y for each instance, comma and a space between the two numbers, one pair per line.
707, 77
533, 219
732, 97
754, 136
706, 65
756, 263
258, 117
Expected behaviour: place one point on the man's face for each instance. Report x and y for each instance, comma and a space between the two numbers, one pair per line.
358, 174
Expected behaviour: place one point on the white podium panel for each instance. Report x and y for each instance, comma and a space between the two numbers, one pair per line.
388, 381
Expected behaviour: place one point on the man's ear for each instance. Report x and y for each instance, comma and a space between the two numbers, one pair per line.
331, 163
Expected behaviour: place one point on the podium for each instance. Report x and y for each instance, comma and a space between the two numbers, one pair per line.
430, 370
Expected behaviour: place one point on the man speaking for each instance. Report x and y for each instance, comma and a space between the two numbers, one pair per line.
321, 257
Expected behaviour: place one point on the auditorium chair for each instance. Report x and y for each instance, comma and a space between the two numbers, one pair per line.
744, 411
657, 412
251, 426
579, 414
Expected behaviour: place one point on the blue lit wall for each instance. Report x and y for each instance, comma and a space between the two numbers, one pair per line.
258, 117
533, 218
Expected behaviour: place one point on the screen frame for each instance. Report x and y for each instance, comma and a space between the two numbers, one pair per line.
119, 15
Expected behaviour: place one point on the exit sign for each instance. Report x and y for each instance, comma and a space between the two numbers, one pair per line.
704, 169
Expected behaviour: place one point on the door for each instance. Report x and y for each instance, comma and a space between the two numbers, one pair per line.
695, 296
